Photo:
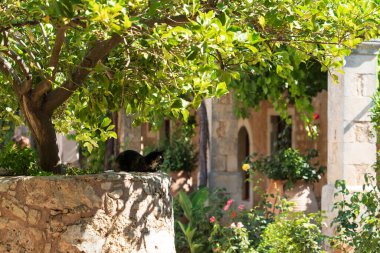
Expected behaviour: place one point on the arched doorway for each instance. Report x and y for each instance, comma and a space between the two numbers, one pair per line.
243, 152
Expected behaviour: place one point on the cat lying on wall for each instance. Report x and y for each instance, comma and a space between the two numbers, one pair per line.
132, 161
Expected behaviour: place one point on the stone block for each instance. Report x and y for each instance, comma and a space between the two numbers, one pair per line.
359, 153
219, 162
359, 85
327, 204
233, 182
361, 64
354, 174
232, 163
359, 131
357, 108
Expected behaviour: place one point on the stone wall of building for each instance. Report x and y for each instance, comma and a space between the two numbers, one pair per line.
111, 212
225, 170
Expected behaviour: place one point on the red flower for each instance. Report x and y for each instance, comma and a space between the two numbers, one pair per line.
212, 219
233, 214
316, 116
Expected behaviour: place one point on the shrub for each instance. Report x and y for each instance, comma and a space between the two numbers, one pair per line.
293, 233
239, 229
179, 154
288, 164
18, 161
358, 220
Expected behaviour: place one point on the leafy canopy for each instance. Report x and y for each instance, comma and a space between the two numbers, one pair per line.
169, 54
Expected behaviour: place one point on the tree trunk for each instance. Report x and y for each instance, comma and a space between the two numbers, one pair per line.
203, 144
44, 135
112, 145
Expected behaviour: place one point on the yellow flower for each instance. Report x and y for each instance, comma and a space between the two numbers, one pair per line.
245, 167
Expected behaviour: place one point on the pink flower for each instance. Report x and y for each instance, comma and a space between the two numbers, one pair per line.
212, 219
233, 225
316, 116
239, 225
227, 206
241, 207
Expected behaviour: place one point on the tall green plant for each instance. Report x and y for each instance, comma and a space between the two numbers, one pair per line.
193, 208
358, 217
192, 215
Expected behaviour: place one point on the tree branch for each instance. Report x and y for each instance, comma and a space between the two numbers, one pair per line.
21, 24
6, 68
47, 42
58, 96
172, 21
19, 61
59, 39
46, 85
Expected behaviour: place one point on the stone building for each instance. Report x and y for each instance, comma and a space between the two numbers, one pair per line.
346, 143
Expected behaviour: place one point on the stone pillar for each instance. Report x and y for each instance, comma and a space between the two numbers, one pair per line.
224, 169
351, 142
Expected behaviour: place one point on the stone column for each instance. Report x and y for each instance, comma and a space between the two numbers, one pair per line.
223, 125
351, 142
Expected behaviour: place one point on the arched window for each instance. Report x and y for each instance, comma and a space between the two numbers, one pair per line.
243, 152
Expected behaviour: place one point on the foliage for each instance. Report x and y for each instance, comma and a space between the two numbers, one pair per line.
179, 154
357, 221
19, 161
375, 119
288, 164
233, 238
192, 214
293, 233
92, 162
69, 62
239, 229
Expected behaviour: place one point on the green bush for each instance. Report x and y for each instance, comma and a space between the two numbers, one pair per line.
179, 154
358, 220
19, 161
293, 233
191, 214
288, 164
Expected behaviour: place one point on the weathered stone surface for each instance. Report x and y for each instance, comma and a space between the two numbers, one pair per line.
111, 212
351, 143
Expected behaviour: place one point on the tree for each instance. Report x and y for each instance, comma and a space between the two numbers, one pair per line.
66, 63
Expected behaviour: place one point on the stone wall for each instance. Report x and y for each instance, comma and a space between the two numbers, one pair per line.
111, 212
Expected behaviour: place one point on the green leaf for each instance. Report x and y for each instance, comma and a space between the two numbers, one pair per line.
262, 21
186, 205
106, 122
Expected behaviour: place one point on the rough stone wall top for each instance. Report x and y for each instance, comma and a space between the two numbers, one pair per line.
111, 212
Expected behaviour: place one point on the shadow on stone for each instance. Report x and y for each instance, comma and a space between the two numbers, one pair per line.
111, 212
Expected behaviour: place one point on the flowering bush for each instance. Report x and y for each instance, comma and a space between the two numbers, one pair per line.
228, 234
194, 215
238, 229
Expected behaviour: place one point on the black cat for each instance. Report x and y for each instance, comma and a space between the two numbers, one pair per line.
132, 161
